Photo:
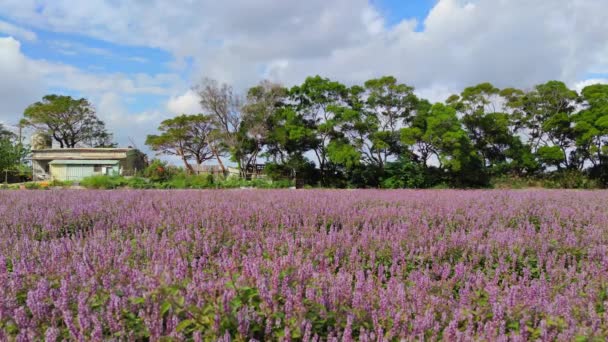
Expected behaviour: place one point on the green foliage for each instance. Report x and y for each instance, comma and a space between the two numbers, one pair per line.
71, 122
569, 179
103, 182
550, 155
404, 173
180, 181
12, 157
190, 137
32, 186
159, 170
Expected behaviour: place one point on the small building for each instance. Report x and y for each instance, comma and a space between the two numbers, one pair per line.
74, 164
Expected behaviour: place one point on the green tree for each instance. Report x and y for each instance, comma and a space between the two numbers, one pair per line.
186, 136
71, 122
12, 152
491, 129
264, 101
389, 106
313, 101
591, 125
438, 131
547, 115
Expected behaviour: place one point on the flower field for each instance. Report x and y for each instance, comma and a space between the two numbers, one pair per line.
303, 265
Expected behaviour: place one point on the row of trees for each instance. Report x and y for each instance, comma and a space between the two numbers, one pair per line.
376, 134
381, 134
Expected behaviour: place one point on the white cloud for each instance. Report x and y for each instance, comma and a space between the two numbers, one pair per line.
188, 103
24, 80
21, 82
509, 43
16, 31
128, 128
579, 86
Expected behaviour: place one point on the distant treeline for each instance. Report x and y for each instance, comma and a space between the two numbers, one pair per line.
380, 134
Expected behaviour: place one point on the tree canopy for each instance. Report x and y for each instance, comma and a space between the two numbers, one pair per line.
71, 122
189, 137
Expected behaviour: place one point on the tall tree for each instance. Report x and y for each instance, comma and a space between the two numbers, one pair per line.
490, 127
439, 132
591, 125
313, 101
259, 113
71, 122
389, 106
185, 136
12, 152
221, 102
547, 114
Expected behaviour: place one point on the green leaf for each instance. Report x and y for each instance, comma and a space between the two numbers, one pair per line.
137, 300
164, 308
184, 325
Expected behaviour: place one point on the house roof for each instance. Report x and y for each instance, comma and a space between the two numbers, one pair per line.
83, 153
86, 149
83, 162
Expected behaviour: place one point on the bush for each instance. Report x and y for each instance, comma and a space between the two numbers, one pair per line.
403, 173
104, 182
58, 183
515, 182
139, 183
32, 186
159, 171
569, 179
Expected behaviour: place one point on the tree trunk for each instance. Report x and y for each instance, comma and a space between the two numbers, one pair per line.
219, 161
189, 168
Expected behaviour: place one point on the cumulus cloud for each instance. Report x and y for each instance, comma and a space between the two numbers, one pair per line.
188, 103
510, 43
578, 86
128, 128
21, 82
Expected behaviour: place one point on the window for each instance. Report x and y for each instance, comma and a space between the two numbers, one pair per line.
96, 168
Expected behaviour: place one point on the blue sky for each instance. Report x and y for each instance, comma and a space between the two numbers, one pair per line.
137, 61
397, 10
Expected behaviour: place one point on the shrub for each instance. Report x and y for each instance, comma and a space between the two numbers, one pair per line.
32, 186
569, 179
104, 182
138, 183
403, 173
159, 171
58, 183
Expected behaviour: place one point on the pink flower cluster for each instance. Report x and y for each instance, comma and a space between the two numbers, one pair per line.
304, 265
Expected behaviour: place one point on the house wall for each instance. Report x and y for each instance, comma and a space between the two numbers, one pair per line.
71, 172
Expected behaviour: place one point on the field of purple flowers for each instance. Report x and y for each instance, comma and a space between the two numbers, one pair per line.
303, 265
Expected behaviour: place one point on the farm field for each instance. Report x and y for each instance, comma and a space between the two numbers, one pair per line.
303, 265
